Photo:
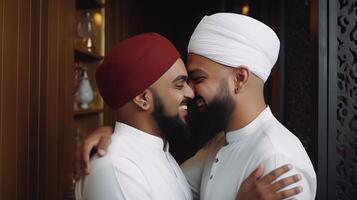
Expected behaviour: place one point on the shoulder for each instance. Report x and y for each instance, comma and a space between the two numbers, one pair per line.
277, 146
275, 142
115, 178
113, 162
126, 148
117, 171
278, 138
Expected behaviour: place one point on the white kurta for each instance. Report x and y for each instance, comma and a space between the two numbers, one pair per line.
137, 166
229, 160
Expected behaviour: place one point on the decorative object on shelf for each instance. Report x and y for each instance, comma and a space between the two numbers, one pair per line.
78, 71
85, 93
77, 76
86, 31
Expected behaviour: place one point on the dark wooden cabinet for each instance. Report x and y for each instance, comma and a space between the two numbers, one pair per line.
37, 120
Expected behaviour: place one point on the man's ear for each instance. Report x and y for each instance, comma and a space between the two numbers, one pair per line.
241, 76
144, 100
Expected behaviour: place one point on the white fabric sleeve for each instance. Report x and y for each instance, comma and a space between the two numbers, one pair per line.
116, 179
308, 181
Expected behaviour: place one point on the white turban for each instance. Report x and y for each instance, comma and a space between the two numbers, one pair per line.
234, 40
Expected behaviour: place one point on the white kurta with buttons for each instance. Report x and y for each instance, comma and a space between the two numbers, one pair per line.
217, 171
137, 166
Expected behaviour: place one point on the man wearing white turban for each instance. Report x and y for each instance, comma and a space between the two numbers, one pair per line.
230, 58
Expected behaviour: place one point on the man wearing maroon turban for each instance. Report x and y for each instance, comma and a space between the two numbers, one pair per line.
144, 80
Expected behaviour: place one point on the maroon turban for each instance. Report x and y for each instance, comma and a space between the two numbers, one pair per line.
134, 65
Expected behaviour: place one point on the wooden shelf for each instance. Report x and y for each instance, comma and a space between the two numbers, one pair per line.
84, 55
89, 4
89, 111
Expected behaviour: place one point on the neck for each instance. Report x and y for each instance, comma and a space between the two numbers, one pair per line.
245, 112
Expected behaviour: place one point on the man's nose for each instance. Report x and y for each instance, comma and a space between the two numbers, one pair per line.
189, 93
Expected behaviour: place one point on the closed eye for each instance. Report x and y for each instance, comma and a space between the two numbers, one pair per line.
198, 80
180, 86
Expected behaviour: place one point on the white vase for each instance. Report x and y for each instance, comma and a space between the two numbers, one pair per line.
85, 92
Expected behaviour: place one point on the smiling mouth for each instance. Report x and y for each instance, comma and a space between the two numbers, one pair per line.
183, 112
183, 107
183, 104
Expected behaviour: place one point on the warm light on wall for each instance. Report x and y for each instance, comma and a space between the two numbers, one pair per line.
245, 9
98, 18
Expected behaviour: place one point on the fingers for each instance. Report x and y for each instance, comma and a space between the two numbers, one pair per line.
77, 164
285, 182
273, 175
86, 149
88, 145
99, 138
288, 193
103, 145
255, 175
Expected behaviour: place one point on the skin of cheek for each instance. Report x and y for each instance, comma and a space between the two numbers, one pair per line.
207, 90
172, 100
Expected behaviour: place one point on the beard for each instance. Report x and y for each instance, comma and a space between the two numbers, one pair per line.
208, 121
171, 127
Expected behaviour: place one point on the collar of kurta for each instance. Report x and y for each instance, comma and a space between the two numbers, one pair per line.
145, 138
251, 128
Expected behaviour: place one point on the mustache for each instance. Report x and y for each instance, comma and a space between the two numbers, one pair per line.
193, 102
198, 97
185, 101
198, 105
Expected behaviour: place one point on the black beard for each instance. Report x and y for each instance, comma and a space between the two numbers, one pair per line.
171, 127
214, 118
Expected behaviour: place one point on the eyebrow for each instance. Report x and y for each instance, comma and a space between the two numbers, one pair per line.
196, 71
180, 78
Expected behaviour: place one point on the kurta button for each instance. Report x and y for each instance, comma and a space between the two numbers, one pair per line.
216, 160
211, 177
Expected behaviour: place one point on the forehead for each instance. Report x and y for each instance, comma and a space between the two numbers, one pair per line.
197, 63
177, 69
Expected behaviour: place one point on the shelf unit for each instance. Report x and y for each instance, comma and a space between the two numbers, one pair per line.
82, 54
88, 119
91, 111
89, 4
